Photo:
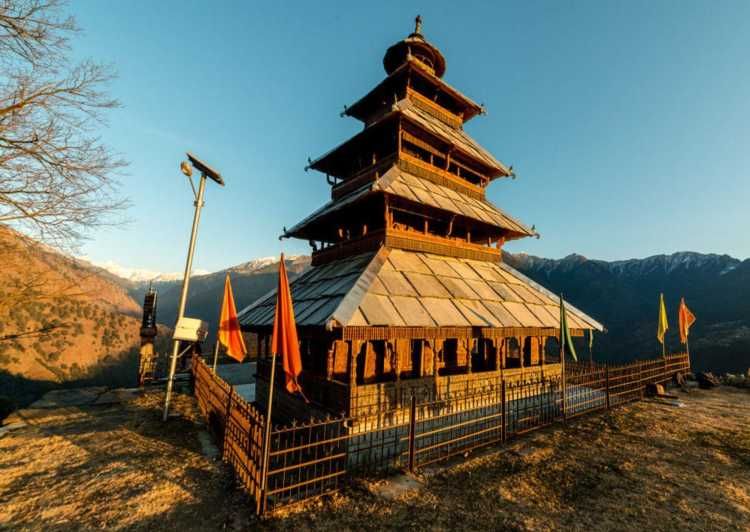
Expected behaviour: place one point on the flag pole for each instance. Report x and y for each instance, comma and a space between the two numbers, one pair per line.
562, 359
267, 436
216, 354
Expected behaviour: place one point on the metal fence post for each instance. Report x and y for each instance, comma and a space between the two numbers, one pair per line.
227, 418
412, 430
503, 427
641, 386
261, 503
606, 383
564, 399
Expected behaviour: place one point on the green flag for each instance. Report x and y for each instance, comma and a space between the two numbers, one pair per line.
565, 338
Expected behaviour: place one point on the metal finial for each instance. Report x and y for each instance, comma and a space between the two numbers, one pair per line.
418, 24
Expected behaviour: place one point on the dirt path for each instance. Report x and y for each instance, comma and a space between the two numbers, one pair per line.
646, 466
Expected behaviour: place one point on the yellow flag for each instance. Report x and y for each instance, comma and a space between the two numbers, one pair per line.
663, 325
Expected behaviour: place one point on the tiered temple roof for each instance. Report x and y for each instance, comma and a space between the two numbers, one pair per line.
408, 245
396, 288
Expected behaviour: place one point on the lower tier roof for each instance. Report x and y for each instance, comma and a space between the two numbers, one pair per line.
399, 288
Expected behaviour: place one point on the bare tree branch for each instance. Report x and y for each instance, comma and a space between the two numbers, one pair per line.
57, 179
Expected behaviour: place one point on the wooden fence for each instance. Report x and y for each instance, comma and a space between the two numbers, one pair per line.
306, 460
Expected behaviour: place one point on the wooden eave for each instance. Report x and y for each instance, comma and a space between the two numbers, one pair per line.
364, 107
444, 201
327, 163
458, 139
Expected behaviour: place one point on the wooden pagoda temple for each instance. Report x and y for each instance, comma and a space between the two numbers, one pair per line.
408, 291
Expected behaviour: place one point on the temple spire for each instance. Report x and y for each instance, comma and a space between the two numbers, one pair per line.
416, 46
418, 25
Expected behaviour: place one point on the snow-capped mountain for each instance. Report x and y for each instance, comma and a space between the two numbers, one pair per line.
138, 275
680, 261
623, 295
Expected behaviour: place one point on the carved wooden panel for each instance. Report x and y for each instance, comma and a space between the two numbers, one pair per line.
340, 359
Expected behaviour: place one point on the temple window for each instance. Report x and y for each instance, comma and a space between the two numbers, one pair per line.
416, 357
482, 355
513, 353
450, 356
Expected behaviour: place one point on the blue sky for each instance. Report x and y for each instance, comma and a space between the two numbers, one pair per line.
628, 122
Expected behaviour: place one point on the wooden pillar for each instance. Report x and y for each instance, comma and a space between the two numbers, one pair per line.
428, 352
519, 339
542, 349
498, 343
352, 397
469, 353
354, 347
395, 359
503, 347
436, 349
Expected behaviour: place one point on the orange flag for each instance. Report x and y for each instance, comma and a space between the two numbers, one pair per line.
686, 319
230, 335
285, 342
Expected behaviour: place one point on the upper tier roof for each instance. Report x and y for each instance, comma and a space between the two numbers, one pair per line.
384, 91
457, 138
408, 289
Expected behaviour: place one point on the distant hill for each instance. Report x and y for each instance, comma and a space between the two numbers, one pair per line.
89, 323
621, 294
250, 280
624, 296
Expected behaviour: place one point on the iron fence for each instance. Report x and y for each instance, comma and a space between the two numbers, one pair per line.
320, 456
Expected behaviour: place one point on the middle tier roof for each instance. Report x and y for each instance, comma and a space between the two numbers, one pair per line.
398, 182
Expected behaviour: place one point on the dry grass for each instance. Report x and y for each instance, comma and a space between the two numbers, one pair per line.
112, 467
646, 466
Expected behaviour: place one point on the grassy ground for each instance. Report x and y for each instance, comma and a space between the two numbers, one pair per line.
645, 466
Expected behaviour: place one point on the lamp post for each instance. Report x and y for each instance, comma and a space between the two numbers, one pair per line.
206, 172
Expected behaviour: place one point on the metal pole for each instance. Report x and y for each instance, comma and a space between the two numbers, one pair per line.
412, 430
267, 439
503, 427
183, 295
562, 376
606, 383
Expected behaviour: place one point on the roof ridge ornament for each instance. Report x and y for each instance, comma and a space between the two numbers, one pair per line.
418, 25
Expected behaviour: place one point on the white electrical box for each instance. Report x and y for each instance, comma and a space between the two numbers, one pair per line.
190, 330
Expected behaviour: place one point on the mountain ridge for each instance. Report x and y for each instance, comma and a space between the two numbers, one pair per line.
622, 294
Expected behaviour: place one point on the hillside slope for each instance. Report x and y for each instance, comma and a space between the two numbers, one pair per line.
624, 296
89, 324
250, 281
645, 466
